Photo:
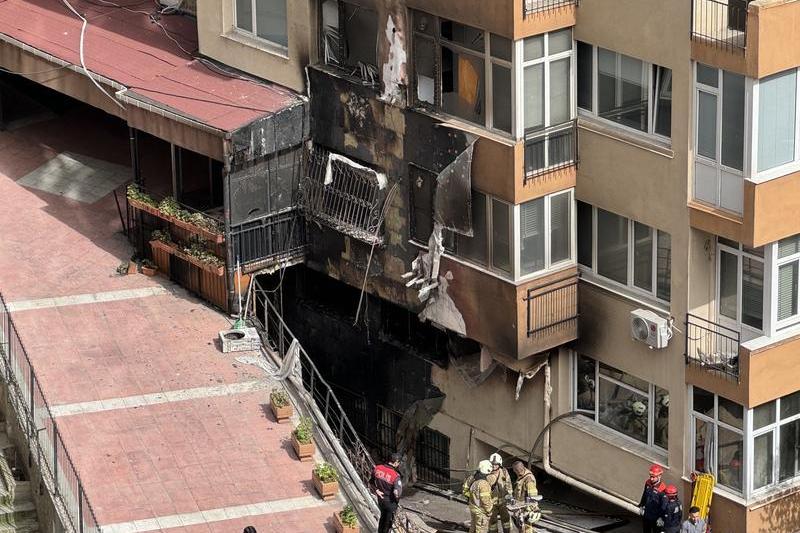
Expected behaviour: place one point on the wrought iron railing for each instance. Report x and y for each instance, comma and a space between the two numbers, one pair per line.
712, 346
531, 7
278, 338
721, 23
552, 308
45, 443
551, 149
269, 239
344, 195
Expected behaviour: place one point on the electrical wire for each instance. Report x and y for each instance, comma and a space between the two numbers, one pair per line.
83, 61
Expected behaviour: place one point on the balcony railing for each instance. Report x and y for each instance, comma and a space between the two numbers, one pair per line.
712, 347
721, 23
552, 308
269, 239
551, 149
531, 7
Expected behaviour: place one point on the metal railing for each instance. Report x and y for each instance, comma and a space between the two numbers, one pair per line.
721, 23
278, 338
531, 7
269, 239
45, 443
550, 149
712, 346
552, 309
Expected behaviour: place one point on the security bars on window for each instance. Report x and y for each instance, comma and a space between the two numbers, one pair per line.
345, 197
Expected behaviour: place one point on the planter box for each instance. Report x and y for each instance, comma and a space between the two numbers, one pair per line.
282, 414
177, 252
239, 340
341, 528
197, 230
149, 271
327, 491
305, 452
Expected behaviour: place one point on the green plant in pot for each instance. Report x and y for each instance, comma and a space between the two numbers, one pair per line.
302, 439
281, 407
149, 268
326, 480
347, 520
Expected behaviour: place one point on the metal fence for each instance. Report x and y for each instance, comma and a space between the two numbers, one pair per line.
269, 239
551, 309
721, 23
278, 338
712, 347
46, 445
531, 7
551, 149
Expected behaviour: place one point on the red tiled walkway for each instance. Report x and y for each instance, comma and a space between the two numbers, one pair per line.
159, 461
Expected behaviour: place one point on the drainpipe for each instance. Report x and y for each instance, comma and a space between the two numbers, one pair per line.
561, 476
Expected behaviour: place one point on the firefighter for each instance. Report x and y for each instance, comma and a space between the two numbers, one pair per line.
525, 492
652, 502
480, 499
501, 489
672, 512
467, 484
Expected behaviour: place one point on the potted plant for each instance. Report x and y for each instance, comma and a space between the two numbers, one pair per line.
281, 408
346, 520
302, 441
326, 480
133, 265
149, 268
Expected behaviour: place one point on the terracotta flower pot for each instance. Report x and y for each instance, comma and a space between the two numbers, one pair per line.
282, 414
305, 452
341, 528
132, 267
149, 271
326, 490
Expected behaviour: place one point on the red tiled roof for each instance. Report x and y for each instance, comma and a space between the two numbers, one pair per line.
126, 46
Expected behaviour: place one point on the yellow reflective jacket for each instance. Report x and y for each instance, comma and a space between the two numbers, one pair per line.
467, 484
501, 485
526, 486
481, 496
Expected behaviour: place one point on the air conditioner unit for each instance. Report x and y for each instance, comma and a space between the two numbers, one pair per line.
650, 328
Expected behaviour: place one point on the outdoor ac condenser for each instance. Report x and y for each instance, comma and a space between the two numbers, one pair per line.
650, 328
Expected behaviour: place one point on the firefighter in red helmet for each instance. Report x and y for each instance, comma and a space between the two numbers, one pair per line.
653, 500
672, 514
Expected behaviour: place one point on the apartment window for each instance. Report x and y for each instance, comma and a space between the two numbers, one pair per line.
740, 284
625, 251
625, 90
788, 281
718, 436
265, 19
778, 120
776, 441
545, 244
490, 244
719, 145
456, 66
547, 63
622, 402
349, 34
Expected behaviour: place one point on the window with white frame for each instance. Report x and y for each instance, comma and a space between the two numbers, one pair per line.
740, 285
778, 120
265, 19
719, 137
776, 442
718, 438
511, 240
624, 251
545, 244
546, 73
625, 90
788, 280
456, 66
622, 402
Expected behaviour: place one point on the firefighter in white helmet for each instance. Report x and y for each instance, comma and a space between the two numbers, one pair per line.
480, 499
501, 491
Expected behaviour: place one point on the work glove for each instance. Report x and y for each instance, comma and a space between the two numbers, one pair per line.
641, 511
660, 522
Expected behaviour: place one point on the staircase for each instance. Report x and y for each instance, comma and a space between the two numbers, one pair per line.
17, 512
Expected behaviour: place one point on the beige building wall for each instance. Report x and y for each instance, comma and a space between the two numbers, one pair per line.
220, 40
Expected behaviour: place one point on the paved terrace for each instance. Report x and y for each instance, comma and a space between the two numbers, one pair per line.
205, 456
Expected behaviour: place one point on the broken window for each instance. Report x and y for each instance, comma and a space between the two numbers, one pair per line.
423, 196
463, 71
344, 194
350, 39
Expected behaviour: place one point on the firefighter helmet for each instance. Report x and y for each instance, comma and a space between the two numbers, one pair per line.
672, 490
656, 470
495, 459
485, 467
